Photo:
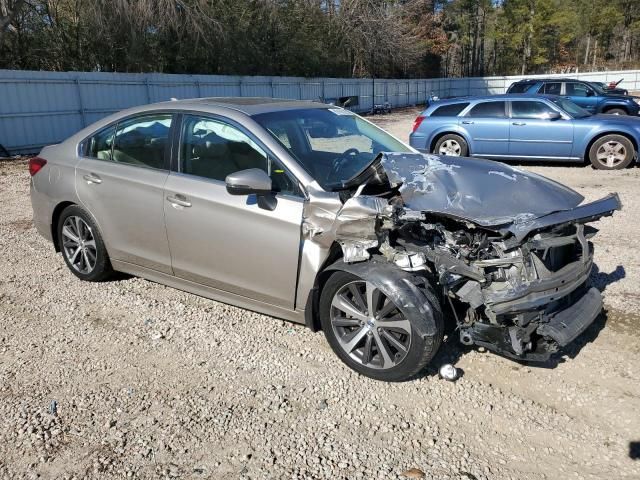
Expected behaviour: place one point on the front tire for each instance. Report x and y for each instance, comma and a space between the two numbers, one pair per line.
611, 152
451, 145
616, 111
371, 334
82, 246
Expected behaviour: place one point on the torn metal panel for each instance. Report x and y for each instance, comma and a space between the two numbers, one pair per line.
484, 192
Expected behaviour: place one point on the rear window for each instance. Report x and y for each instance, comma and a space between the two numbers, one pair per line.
449, 110
488, 109
519, 87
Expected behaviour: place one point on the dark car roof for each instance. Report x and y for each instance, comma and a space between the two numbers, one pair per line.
257, 105
561, 79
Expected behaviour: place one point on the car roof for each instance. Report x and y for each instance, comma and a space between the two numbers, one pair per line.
247, 105
560, 79
502, 96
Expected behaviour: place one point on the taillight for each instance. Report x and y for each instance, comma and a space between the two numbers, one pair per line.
35, 164
417, 122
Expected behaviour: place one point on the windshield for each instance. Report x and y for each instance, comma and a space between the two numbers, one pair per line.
332, 144
598, 87
571, 108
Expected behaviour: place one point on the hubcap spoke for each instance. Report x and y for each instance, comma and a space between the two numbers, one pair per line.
402, 324
346, 322
382, 350
372, 297
353, 339
393, 340
345, 306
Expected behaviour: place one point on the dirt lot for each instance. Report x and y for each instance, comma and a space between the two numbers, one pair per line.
132, 379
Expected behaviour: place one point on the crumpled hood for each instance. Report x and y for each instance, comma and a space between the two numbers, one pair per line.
482, 191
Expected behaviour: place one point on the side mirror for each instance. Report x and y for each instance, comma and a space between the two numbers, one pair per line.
554, 116
248, 182
590, 93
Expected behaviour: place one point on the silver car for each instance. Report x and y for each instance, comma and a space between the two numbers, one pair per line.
310, 213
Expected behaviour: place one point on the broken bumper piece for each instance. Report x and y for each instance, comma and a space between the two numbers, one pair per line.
553, 330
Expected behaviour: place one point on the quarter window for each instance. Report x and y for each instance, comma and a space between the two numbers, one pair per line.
449, 110
531, 110
488, 109
100, 145
142, 141
214, 149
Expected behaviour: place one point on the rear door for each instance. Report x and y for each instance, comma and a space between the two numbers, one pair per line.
120, 179
487, 125
224, 241
533, 134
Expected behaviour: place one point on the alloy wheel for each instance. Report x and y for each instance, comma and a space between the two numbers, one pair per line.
369, 326
450, 148
79, 245
611, 154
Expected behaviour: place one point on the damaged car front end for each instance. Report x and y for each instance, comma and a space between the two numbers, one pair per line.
508, 251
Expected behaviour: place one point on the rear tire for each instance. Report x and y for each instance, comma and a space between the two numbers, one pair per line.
616, 111
611, 152
381, 341
451, 145
82, 246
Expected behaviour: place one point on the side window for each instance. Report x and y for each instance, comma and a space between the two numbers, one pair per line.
142, 141
578, 90
449, 110
99, 145
488, 109
214, 149
519, 87
551, 88
532, 109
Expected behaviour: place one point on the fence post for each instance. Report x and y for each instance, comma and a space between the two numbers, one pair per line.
146, 82
80, 103
198, 87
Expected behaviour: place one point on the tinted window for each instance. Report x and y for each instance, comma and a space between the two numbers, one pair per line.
488, 109
551, 88
449, 110
577, 90
214, 149
519, 87
99, 145
531, 109
142, 141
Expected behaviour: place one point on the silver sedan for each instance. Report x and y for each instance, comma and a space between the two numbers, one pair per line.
310, 213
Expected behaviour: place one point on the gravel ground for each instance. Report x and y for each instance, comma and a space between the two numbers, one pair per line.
131, 379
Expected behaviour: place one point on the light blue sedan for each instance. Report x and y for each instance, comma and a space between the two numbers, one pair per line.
526, 127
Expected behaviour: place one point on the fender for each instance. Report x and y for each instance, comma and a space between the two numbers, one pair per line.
585, 133
401, 287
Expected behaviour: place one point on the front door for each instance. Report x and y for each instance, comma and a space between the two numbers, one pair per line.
120, 179
224, 241
533, 134
582, 95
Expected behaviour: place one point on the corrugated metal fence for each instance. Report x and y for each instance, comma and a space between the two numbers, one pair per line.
40, 108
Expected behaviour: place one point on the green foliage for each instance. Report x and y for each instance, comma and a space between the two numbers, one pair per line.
385, 38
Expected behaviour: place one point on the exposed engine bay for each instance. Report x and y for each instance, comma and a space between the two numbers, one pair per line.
508, 251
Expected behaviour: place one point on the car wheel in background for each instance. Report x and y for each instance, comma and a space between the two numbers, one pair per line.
451, 145
373, 335
81, 245
611, 152
616, 111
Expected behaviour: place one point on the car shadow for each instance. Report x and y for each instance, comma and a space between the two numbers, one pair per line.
602, 280
634, 450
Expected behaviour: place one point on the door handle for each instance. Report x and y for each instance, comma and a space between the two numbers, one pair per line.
518, 124
92, 178
179, 200
467, 122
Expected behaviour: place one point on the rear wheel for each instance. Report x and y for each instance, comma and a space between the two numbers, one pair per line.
611, 152
616, 111
370, 333
451, 145
82, 247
